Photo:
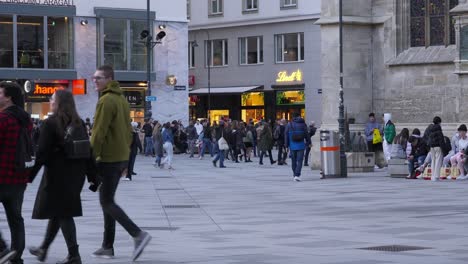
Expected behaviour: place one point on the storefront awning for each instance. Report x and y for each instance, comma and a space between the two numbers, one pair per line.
225, 90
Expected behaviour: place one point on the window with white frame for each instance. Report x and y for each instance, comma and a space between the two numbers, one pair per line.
191, 53
250, 5
251, 50
216, 7
289, 47
288, 3
217, 52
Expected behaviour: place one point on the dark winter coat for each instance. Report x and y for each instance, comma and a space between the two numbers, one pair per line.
62, 181
265, 142
136, 144
435, 136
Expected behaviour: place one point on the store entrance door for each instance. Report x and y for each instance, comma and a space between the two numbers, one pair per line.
216, 115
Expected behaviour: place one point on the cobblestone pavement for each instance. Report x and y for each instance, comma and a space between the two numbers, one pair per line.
248, 213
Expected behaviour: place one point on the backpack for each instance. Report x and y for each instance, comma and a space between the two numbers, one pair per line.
24, 151
76, 143
297, 135
446, 146
276, 133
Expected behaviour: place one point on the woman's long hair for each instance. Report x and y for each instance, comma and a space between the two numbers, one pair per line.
65, 111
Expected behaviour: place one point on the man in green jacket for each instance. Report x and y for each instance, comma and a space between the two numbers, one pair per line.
111, 140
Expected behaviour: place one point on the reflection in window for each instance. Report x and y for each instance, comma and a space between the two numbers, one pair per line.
431, 23
6, 45
138, 48
30, 42
290, 47
251, 50
253, 99
290, 97
217, 52
60, 42
115, 43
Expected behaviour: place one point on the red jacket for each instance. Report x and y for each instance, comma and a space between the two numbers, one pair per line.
9, 133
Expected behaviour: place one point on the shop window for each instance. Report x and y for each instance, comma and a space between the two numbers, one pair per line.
289, 47
287, 4
60, 42
290, 97
431, 23
253, 99
6, 45
123, 48
217, 52
252, 114
191, 54
30, 41
288, 113
251, 50
250, 5
215, 7
216, 115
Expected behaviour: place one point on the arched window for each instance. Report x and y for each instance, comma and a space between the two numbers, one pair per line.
431, 23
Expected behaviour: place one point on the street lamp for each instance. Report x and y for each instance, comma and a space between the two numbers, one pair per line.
208, 57
146, 35
341, 119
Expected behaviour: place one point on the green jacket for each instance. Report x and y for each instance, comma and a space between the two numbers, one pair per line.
112, 132
389, 132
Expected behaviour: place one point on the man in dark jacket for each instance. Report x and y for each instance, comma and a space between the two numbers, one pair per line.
192, 136
282, 151
435, 139
148, 130
13, 180
296, 138
310, 133
134, 147
111, 140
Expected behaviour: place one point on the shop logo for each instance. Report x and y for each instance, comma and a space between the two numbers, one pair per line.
46, 90
283, 76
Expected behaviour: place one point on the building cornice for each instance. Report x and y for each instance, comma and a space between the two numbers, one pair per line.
353, 20
249, 22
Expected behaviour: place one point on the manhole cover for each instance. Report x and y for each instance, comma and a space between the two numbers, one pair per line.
395, 248
181, 206
161, 228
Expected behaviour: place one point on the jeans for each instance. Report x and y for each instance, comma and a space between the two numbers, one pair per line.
191, 146
149, 146
11, 196
110, 174
282, 153
420, 160
297, 157
207, 144
219, 155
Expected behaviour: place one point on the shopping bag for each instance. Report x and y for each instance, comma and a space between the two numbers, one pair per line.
222, 143
377, 137
445, 172
427, 173
455, 172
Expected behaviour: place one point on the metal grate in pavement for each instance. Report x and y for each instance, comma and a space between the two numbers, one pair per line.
170, 189
181, 206
160, 228
395, 248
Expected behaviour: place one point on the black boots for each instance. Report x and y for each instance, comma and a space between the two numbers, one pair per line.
73, 256
39, 252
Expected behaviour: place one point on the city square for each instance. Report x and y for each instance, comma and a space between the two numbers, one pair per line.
247, 213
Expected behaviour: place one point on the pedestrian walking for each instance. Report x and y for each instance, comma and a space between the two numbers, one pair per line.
158, 144
219, 133
148, 130
58, 197
15, 123
265, 142
192, 136
295, 137
282, 151
374, 134
168, 145
111, 141
134, 147
310, 133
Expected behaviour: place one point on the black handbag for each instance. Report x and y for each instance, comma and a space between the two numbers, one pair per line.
76, 146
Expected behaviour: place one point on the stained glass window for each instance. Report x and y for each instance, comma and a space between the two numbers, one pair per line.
431, 24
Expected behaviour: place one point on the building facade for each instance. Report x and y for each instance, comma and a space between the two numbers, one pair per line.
50, 45
253, 59
400, 56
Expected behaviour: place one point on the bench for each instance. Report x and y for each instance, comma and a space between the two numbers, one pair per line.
398, 168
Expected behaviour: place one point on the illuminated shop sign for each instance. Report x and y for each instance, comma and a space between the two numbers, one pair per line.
284, 76
48, 88
135, 97
41, 2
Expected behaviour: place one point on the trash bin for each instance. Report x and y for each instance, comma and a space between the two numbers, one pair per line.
330, 154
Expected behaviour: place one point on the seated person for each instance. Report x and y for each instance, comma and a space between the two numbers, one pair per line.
400, 144
455, 145
458, 159
418, 154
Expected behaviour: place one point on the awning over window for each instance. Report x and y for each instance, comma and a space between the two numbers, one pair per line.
225, 90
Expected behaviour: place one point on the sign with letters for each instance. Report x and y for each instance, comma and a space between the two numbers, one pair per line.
284, 76
135, 97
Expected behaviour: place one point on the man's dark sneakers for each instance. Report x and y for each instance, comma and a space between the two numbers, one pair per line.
39, 252
106, 253
6, 255
141, 241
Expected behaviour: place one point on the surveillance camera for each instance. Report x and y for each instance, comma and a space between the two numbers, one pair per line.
160, 35
144, 34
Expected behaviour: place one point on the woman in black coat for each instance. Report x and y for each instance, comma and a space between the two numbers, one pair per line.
58, 197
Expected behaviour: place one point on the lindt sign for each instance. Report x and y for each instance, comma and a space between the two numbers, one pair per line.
41, 2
